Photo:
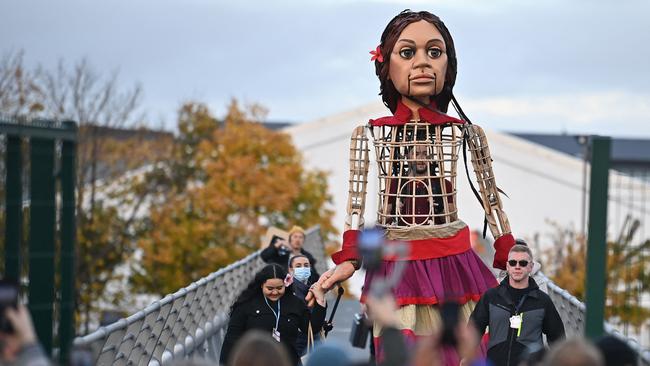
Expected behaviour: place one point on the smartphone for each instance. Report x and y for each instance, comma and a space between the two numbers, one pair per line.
449, 313
9, 292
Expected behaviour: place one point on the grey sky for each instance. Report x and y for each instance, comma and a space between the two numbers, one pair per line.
552, 66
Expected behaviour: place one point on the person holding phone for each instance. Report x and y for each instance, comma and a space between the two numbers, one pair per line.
18, 342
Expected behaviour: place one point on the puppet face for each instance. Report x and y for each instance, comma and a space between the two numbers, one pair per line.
418, 62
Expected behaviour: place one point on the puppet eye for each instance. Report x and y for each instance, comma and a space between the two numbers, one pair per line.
406, 53
434, 52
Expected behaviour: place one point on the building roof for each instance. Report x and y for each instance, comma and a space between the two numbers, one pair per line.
624, 150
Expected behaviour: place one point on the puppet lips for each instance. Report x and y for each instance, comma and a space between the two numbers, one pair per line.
423, 77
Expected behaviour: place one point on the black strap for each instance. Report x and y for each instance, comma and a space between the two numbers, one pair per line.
328, 326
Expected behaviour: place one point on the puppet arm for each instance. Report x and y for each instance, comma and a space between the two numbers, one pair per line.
494, 214
347, 259
358, 182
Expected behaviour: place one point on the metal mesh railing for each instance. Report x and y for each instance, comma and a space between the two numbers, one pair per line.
191, 322
572, 312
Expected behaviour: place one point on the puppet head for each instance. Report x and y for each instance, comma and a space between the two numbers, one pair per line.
389, 37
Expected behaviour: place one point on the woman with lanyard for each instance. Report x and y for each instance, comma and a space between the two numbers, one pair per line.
266, 304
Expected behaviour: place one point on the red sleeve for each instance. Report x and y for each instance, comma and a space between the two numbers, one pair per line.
349, 248
501, 248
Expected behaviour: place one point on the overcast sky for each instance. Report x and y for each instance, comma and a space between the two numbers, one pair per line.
537, 66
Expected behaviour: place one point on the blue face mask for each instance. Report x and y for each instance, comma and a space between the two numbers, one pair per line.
302, 273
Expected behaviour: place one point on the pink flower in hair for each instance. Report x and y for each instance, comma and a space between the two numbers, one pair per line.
288, 280
376, 55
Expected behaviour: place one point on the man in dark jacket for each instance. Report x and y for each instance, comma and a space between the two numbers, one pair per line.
517, 312
279, 252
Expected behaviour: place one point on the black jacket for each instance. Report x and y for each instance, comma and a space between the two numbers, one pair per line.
508, 345
256, 314
271, 254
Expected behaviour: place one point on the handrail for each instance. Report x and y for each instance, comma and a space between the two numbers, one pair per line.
191, 321
572, 311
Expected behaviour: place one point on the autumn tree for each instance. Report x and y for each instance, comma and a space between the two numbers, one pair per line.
20, 94
237, 178
628, 272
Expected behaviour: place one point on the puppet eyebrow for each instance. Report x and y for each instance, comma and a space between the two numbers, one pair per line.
433, 40
407, 41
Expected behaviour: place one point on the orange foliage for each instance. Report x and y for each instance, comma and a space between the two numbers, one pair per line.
245, 178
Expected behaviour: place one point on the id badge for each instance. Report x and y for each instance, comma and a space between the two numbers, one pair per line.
276, 335
515, 321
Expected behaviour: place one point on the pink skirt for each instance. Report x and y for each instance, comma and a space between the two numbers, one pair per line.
461, 278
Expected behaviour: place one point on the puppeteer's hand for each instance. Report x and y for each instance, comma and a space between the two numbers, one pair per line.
318, 293
23, 333
328, 279
383, 310
468, 343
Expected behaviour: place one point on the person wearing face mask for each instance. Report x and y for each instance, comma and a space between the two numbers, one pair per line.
300, 269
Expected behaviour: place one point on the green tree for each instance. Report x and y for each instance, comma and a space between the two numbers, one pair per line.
244, 178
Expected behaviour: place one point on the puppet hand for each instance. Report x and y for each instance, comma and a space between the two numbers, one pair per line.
501, 248
341, 272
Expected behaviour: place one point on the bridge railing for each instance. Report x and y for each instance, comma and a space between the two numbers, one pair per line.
192, 321
188, 323
572, 312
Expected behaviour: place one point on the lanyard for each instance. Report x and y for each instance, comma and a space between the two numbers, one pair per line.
521, 302
277, 315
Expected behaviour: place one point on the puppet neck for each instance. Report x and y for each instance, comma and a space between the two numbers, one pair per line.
415, 105
407, 113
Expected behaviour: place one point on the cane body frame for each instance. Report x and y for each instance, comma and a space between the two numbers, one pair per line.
495, 216
358, 180
417, 171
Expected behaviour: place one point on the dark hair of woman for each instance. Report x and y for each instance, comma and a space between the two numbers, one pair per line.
389, 37
296, 257
257, 348
270, 271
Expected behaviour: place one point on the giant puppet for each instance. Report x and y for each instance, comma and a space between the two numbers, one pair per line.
417, 150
